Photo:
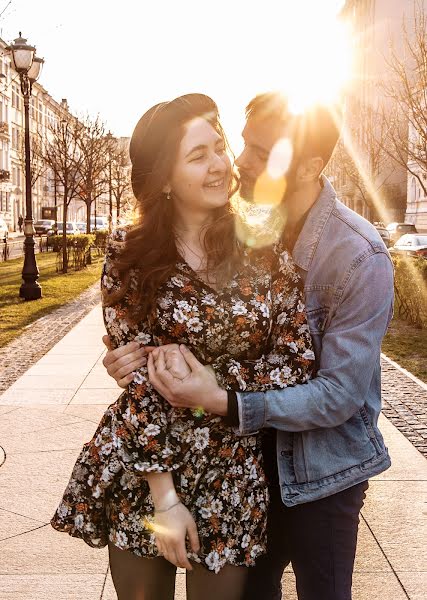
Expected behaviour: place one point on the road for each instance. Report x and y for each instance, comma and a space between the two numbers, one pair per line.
15, 247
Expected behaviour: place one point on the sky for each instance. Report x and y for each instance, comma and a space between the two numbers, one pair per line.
118, 58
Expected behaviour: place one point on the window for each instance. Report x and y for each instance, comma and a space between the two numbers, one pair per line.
15, 138
413, 194
16, 97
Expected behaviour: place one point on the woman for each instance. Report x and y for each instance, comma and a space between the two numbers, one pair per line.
153, 476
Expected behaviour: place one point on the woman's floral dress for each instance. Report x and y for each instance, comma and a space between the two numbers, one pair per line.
254, 334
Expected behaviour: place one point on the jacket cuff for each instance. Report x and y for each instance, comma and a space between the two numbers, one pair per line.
232, 417
251, 407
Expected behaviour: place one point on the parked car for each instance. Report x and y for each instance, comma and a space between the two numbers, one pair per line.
411, 244
101, 223
71, 228
81, 227
44, 226
384, 233
4, 230
396, 230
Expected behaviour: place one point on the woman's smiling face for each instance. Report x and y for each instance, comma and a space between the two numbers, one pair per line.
201, 176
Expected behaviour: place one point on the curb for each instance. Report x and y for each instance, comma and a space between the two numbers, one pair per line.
404, 371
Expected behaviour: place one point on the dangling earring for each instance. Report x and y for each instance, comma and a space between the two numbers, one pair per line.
168, 196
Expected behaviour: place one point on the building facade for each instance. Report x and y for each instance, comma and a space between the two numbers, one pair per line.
380, 191
44, 112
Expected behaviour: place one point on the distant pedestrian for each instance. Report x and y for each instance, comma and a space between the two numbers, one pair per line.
20, 223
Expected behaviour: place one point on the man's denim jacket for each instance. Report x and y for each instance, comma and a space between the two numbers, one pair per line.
327, 438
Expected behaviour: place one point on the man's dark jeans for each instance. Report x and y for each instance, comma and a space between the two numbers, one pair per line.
319, 538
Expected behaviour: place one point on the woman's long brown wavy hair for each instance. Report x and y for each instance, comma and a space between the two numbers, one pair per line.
150, 250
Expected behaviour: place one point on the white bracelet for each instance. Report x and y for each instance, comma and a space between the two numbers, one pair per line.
166, 509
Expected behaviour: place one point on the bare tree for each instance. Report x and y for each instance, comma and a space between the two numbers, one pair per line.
361, 158
94, 149
120, 177
407, 88
61, 153
37, 163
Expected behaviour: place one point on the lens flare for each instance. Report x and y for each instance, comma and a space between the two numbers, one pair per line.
280, 158
269, 190
257, 226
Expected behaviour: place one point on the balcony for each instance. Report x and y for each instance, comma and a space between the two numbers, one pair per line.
4, 130
4, 175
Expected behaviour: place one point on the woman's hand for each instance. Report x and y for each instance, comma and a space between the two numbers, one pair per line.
122, 362
171, 529
174, 361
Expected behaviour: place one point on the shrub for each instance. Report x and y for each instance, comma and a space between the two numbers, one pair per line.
410, 285
81, 244
77, 248
100, 240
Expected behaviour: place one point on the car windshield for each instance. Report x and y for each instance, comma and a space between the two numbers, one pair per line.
421, 240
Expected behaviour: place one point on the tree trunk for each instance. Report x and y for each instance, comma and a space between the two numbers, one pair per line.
64, 236
88, 205
87, 217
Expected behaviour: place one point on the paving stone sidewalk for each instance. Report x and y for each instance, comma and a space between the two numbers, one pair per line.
39, 337
405, 403
404, 400
47, 415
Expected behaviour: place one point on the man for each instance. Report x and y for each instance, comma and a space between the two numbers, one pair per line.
327, 443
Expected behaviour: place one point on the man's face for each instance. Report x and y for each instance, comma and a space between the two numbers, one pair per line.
259, 136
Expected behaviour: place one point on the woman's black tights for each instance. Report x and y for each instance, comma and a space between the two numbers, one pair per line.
137, 578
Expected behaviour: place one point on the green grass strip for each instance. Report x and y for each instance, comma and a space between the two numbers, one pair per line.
57, 289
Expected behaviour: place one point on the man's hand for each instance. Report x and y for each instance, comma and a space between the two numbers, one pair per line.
197, 389
123, 361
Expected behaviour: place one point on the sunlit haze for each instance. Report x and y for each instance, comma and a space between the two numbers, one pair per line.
119, 58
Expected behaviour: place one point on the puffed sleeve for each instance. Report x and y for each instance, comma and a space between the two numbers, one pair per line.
142, 434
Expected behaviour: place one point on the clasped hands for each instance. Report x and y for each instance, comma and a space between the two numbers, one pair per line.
172, 370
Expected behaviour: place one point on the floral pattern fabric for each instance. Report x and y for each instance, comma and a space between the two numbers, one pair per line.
255, 336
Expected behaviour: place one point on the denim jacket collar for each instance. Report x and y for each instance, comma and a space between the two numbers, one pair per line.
317, 218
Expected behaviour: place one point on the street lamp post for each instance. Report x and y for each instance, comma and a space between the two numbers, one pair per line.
28, 67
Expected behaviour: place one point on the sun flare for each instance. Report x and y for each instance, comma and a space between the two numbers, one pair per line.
317, 57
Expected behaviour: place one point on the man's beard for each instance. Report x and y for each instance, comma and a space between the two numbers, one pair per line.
247, 187
248, 183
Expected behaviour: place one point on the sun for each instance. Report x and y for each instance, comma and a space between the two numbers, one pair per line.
311, 60
301, 49
321, 77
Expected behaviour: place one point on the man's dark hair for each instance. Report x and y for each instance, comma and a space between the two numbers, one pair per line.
314, 132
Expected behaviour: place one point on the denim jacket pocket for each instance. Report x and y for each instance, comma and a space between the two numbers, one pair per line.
317, 320
370, 429
319, 454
